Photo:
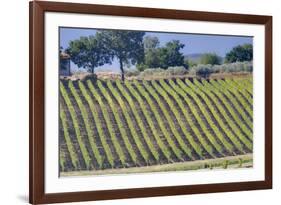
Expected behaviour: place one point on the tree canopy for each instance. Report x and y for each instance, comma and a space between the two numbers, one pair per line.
240, 53
126, 46
164, 57
89, 52
210, 58
170, 55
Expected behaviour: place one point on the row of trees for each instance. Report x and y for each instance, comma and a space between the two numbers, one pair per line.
161, 57
239, 53
134, 48
93, 51
128, 47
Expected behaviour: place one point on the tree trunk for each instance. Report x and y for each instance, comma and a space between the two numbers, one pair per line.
122, 69
92, 70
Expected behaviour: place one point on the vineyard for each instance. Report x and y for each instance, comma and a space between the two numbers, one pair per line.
110, 124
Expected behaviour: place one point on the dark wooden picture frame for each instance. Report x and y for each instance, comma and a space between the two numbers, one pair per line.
37, 10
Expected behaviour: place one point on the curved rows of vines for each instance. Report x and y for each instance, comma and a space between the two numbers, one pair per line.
111, 124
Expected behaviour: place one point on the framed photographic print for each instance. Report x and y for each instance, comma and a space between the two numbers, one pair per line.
139, 102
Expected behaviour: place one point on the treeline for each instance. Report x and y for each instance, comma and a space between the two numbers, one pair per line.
144, 52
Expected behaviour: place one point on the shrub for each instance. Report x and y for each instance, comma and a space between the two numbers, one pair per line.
141, 67
177, 70
235, 67
152, 72
91, 76
132, 72
203, 71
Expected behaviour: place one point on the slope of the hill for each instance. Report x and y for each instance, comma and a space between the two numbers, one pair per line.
110, 124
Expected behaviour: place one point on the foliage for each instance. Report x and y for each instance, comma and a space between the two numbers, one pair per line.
188, 63
87, 123
70, 147
126, 46
152, 72
118, 119
140, 123
183, 109
207, 130
138, 96
212, 109
164, 57
108, 152
88, 52
246, 66
240, 53
241, 106
176, 70
232, 116
156, 93
157, 72
210, 58
170, 54
110, 127
202, 71
132, 72
153, 122
150, 42
74, 118
207, 146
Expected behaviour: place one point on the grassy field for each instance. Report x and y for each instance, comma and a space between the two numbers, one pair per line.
111, 127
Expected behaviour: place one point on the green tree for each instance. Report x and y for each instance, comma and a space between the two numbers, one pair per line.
189, 63
240, 53
88, 52
151, 42
210, 58
151, 58
162, 57
126, 46
170, 55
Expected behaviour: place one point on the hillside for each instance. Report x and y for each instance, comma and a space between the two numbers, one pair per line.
109, 124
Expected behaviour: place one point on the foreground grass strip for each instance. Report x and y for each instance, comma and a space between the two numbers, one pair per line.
220, 89
71, 150
74, 118
98, 124
197, 117
234, 162
119, 121
171, 105
140, 123
208, 90
111, 131
158, 117
154, 130
222, 125
87, 123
